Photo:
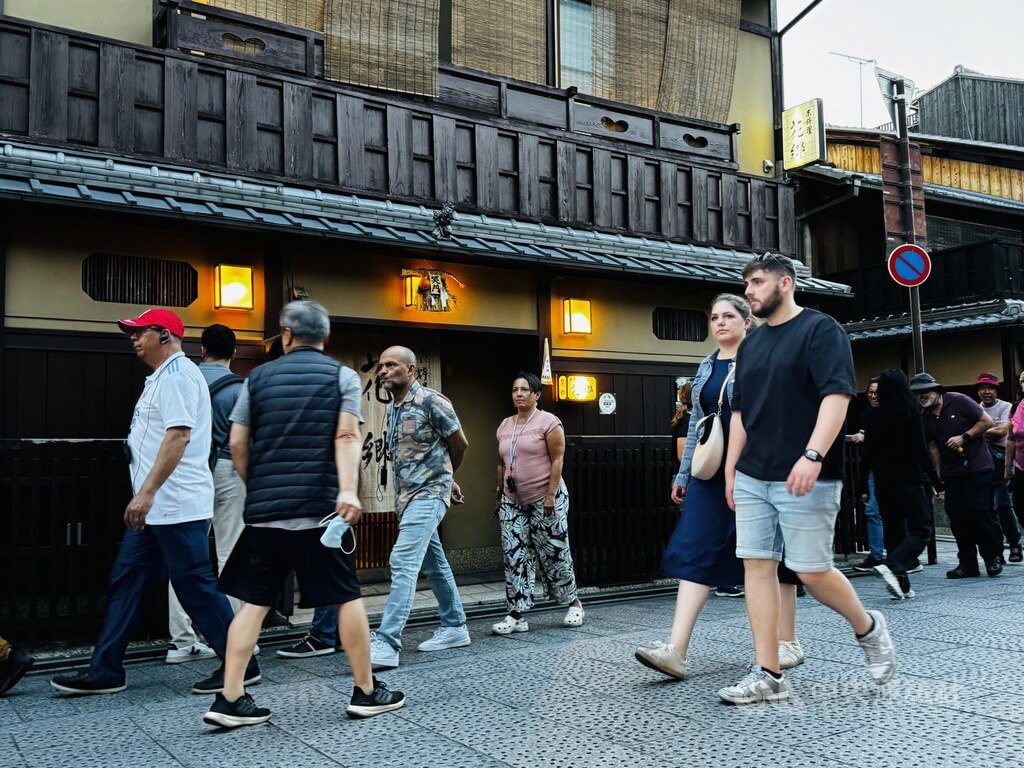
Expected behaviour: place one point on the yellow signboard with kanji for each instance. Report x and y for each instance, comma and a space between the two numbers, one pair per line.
803, 135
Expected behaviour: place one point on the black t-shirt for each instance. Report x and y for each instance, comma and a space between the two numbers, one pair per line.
782, 374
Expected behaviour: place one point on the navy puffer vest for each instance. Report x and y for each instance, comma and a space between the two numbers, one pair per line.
293, 410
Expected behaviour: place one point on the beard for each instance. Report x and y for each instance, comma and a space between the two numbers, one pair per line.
769, 305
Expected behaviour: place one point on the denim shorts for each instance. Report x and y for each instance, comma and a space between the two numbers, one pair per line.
769, 520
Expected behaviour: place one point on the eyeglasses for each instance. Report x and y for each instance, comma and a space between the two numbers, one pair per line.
139, 332
869, 393
782, 261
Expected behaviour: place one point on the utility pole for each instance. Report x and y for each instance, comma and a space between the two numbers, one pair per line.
861, 63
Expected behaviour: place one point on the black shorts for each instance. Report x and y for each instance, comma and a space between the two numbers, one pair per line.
263, 557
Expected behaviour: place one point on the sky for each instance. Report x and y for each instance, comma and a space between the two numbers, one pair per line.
920, 39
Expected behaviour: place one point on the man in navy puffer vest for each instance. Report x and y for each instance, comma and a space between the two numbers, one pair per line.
295, 438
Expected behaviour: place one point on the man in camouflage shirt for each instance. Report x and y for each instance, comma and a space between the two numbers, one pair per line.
425, 446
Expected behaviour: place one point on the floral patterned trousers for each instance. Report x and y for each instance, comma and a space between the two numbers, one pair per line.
528, 540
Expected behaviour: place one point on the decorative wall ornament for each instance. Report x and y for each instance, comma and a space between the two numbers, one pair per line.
427, 290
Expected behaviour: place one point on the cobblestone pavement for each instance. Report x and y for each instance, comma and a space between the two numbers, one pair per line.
561, 697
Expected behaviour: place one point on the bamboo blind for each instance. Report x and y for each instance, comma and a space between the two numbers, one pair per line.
507, 38
308, 14
628, 42
700, 58
389, 44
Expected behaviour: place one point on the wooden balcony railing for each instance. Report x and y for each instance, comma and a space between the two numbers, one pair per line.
487, 144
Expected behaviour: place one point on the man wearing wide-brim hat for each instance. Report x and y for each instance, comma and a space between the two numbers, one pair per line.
954, 428
168, 453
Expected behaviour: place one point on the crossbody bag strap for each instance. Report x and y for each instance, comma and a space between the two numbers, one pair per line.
721, 394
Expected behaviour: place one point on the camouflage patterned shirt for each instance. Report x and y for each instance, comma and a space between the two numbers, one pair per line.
418, 429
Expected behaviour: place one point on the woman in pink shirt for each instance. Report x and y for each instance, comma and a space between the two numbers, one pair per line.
532, 505
1015, 459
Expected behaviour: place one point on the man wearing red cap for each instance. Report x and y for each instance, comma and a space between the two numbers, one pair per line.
996, 437
168, 453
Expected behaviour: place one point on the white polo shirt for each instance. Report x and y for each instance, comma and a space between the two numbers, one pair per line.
175, 395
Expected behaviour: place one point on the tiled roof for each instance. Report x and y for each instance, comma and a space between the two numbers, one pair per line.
40, 174
961, 317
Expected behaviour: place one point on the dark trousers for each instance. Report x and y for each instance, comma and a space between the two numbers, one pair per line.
972, 519
906, 523
179, 551
1001, 498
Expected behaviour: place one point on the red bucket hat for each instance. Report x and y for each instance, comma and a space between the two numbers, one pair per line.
987, 378
161, 318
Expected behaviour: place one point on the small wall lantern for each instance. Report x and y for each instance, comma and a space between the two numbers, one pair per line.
577, 388
576, 317
232, 287
428, 290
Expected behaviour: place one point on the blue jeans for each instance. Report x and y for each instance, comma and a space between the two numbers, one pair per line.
180, 551
873, 521
419, 547
325, 624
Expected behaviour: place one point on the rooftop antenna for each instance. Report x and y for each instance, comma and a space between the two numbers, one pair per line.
861, 63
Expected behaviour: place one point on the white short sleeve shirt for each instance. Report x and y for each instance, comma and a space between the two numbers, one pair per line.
175, 395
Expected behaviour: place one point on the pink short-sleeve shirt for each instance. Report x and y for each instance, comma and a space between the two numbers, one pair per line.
532, 467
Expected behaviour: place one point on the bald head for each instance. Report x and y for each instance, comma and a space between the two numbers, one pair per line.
403, 354
396, 371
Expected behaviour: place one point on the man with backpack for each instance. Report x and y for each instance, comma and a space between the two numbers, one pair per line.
218, 350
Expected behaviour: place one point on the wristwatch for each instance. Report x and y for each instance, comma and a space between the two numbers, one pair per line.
812, 455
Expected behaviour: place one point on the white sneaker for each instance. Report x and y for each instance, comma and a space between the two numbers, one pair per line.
193, 652
662, 657
574, 616
878, 650
510, 624
382, 655
790, 654
445, 638
757, 686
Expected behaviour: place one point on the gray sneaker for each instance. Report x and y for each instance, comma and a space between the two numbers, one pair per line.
757, 686
790, 654
662, 657
878, 650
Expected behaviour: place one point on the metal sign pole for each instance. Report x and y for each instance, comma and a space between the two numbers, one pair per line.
899, 98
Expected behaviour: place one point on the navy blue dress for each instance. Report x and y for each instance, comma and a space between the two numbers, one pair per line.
703, 546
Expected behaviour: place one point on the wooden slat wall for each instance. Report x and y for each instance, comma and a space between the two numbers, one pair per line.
975, 108
67, 89
958, 174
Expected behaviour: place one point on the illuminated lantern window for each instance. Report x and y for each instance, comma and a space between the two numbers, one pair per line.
577, 388
576, 316
232, 287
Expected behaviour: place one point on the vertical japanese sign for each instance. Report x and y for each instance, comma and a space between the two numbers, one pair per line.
803, 134
361, 352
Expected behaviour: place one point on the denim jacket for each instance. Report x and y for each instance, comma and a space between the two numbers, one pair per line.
696, 414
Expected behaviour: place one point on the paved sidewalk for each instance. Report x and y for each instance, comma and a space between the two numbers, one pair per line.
560, 697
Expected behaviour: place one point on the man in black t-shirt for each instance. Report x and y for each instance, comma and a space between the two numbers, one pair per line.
794, 381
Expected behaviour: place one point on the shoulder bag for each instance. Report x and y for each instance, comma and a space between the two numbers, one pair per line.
707, 455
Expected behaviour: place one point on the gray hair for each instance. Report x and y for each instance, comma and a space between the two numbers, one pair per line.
307, 320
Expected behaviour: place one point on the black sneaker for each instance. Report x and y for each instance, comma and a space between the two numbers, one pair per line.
215, 682
377, 703
1016, 554
232, 714
868, 564
904, 581
13, 669
994, 567
729, 591
961, 573
306, 647
82, 683
916, 569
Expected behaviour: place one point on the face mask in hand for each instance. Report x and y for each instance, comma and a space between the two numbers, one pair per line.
336, 528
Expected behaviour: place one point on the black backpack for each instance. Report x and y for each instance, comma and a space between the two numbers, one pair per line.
217, 386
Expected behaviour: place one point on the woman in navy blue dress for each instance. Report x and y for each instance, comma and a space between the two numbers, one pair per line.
702, 550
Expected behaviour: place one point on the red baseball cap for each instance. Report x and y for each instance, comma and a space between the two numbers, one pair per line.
161, 318
987, 378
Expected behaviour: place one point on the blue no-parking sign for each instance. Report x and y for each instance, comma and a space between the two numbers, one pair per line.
909, 265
